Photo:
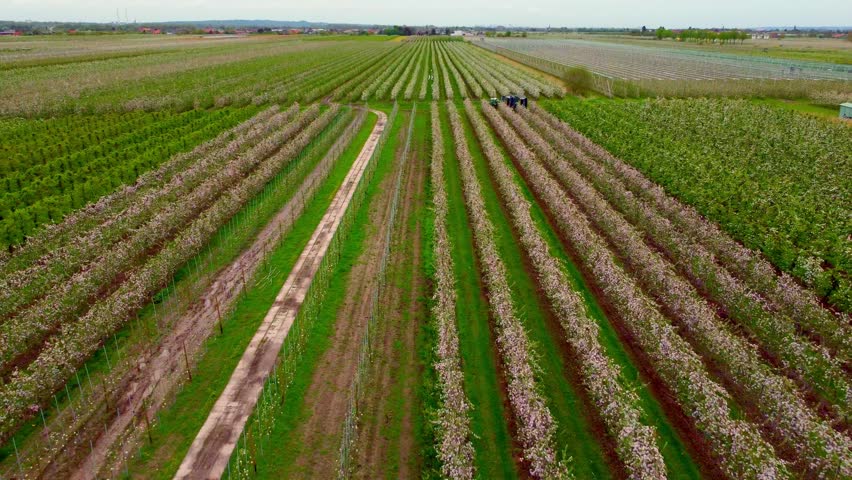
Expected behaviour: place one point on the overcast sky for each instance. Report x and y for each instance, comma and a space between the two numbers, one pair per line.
540, 13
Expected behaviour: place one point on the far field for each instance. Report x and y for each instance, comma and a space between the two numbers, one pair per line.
333, 257
830, 50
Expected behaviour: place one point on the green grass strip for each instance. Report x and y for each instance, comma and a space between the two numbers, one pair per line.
403, 277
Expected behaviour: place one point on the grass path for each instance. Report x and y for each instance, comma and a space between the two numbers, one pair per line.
391, 414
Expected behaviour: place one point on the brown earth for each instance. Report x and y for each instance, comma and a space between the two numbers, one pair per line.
394, 368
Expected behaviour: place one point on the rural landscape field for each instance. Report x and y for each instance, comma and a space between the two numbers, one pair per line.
425, 253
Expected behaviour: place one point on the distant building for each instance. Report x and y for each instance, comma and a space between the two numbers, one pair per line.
846, 110
10, 33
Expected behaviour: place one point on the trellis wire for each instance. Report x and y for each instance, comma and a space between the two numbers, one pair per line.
365, 354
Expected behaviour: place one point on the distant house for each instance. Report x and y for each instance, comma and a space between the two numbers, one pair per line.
10, 33
846, 110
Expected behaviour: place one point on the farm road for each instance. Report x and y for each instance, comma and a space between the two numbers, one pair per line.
208, 456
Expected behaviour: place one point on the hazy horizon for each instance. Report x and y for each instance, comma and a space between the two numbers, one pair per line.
530, 13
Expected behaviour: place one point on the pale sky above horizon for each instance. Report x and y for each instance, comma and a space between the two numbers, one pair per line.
538, 13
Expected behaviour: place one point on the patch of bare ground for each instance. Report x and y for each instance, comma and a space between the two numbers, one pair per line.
385, 445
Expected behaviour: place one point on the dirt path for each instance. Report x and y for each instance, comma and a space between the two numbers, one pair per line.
157, 373
327, 398
208, 456
386, 439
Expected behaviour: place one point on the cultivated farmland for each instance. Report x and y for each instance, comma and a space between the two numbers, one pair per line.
331, 256
633, 62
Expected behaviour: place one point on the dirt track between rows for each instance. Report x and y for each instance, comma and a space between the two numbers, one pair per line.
386, 443
209, 454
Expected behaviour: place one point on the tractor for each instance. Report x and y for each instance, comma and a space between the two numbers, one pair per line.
511, 100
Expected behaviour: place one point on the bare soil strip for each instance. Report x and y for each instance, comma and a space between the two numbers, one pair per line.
208, 456
386, 437
145, 388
